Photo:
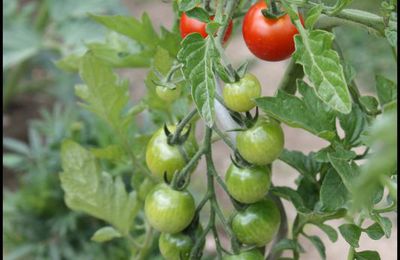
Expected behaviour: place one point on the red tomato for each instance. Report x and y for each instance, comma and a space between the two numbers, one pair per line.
190, 25
268, 39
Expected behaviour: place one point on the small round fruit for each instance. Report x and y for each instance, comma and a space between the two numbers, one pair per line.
262, 143
175, 246
168, 210
189, 25
239, 96
168, 94
247, 255
267, 38
162, 157
248, 185
257, 224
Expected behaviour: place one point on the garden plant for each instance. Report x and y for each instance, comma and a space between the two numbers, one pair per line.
139, 182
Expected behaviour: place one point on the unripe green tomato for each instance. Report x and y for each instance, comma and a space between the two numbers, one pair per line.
178, 246
168, 94
238, 96
247, 255
168, 210
175, 246
146, 186
257, 224
162, 157
262, 143
248, 185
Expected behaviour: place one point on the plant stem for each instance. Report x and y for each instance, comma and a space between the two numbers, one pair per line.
145, 250
229, 10
182, 125
224, 137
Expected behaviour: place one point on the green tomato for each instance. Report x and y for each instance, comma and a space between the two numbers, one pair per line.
262, 143
168, 94
178, 246
257, 224
247, 255
239, 96
168, 210
175, 246
162, 157
248, 185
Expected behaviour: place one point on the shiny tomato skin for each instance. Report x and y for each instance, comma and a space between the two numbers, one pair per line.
175, 246
169, 210
190, 25
258, 224
239, 96
247, 255
268, 39
262, 143
248, 185
162, 157
167, 94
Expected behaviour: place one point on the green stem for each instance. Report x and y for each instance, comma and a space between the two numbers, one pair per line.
224, 137
229, 10
145, 250
182, 125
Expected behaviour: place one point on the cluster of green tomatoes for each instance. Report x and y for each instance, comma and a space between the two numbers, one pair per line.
171, 210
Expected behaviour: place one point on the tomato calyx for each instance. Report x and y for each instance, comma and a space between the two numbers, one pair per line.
274, 13
246, 121
180, 138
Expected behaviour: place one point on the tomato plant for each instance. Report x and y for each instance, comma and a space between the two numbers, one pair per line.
351, 178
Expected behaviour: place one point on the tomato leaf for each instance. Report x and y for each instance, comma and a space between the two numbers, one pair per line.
375, 231
290, 195
333, 193
347, 172
351, 233
386, 90
198, 55
329, 231
186, 5
199, 14
287, 244
304, 164
317, 242
367, 255
384, 223
322, 66
94, 192
307, 112
313, 15
337, 151
105, 234
353, 125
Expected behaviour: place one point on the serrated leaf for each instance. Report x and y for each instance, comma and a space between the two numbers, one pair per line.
313, 15
347, 172
307, 112
351, 233
317, 242
199, 13
386, 90
329, 231
140, 31
337, 151
290, 195
375, 231
104, 94
333, 193
287, 244
198, 54
367, 255
353, 125
322, 66
69, 63
304, 164
94, 192
105, 234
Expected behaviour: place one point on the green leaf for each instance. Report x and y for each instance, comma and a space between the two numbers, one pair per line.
199, 14
94, 192
384, 223
329, 231
11, 160
313, 15
317, 242
351, 233
337, 151
69, 63
287, 244
16, 146
198, 55
375, 231
369, 103
140, 31
171, 41
309, 191
353, 125
307, 112
304, 164
186, 5
104, 94
348, 172
322, 66
105, 234
292, 196
111, 152
333, 193
367, 255
386, 90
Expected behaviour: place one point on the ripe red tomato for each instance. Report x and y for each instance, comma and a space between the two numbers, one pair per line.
191, 25
268, 39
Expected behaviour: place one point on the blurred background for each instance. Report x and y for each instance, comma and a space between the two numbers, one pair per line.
40, 110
